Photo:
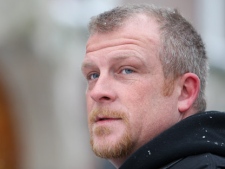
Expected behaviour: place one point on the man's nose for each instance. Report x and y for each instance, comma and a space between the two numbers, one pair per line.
104, 90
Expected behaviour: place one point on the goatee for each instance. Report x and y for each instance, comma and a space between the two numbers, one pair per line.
104, 148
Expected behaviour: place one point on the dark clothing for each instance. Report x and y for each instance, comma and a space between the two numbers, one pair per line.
203, 161
197, 142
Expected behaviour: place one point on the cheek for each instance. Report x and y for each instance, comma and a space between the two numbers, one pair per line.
138, 103
89, 103
146, 100
142, 95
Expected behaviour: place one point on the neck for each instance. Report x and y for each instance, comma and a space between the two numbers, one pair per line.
188, 113
118, 162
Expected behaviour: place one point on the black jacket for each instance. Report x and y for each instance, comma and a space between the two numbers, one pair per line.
197, 142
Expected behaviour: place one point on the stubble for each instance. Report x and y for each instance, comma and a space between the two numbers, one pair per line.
104, 148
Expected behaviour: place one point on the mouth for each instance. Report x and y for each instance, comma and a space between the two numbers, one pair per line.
106, 119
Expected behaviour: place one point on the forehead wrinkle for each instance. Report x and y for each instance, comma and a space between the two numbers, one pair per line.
91, 47
127, 39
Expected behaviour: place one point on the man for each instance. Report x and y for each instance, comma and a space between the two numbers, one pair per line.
146, 70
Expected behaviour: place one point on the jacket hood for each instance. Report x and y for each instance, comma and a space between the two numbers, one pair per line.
201, 133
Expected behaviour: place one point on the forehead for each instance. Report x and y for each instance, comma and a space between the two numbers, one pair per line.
136, 29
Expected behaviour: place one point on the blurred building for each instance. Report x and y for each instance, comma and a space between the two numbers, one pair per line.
42, 44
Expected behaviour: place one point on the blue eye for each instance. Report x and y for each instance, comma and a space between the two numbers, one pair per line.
127, 71
93, 76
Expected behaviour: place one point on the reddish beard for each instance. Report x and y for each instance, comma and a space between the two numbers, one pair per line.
106, 149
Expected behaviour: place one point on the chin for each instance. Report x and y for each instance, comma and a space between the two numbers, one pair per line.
110, 145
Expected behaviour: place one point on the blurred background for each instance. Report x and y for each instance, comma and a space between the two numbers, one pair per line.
42, 105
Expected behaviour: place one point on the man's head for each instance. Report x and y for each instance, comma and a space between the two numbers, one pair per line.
146, 69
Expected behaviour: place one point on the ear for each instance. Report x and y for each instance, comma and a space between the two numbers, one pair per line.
190, 87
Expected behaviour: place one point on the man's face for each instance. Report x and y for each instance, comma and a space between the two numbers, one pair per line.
125, 102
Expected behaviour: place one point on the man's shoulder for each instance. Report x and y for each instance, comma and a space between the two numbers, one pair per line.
206, 161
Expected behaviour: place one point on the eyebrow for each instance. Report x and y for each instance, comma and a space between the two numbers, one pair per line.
128, 55
118, 57
87, 65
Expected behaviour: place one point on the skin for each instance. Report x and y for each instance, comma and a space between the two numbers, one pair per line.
125, 74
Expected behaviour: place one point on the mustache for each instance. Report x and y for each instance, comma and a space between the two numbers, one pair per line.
106, 113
